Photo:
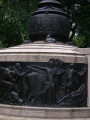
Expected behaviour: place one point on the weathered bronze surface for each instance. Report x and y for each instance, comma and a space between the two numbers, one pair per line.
49, 19
54, 83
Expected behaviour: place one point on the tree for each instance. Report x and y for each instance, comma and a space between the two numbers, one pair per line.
14, 16
79, 13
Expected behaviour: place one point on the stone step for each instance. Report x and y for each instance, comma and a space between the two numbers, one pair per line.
40, 48
44, 112
5, 117
42, 53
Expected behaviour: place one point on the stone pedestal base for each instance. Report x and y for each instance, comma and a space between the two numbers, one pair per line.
45, 113
42, 53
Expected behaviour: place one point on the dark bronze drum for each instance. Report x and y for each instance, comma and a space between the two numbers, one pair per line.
49, 20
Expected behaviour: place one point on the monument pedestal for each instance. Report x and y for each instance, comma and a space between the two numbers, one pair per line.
40, 113
37, 52
86, 52
42, 53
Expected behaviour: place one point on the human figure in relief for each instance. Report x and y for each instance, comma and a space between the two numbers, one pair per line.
49, 76
77, 94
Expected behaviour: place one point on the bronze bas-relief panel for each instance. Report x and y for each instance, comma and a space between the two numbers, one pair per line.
54, 84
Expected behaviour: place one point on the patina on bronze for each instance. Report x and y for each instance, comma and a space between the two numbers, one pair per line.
53, 83
49, 19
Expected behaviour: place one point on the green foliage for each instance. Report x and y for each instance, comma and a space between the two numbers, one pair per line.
79, 13
14, 16
79, 41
